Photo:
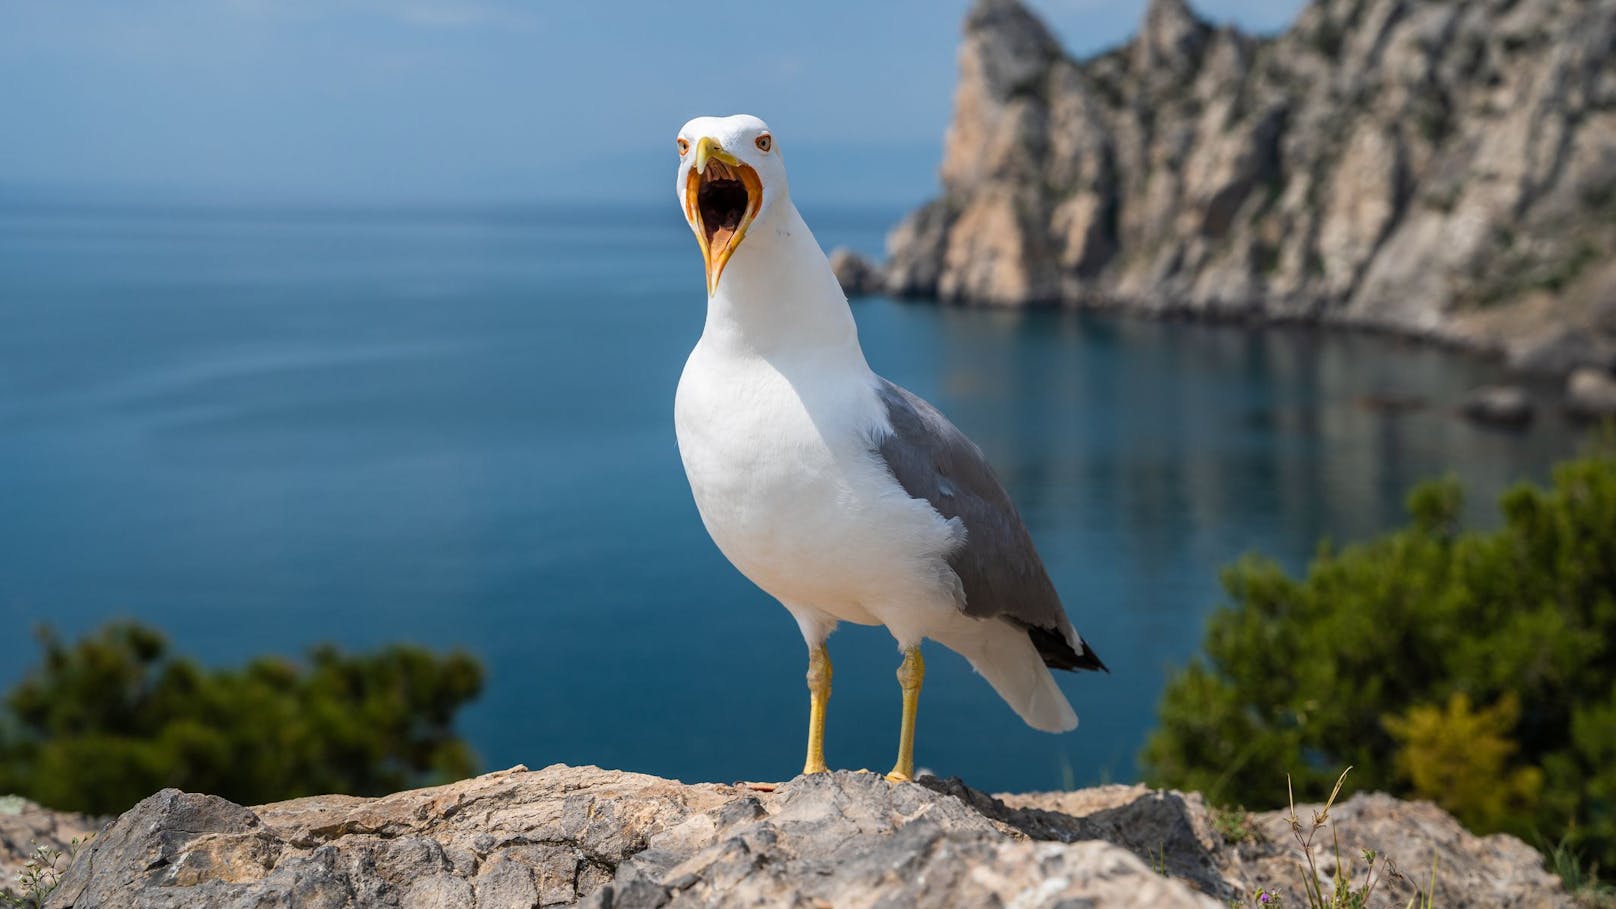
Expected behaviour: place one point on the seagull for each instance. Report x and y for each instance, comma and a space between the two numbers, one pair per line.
840, 494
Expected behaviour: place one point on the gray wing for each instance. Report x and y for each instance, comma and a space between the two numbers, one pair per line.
998, 567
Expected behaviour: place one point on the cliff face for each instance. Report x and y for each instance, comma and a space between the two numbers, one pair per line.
1440, 167
566, 836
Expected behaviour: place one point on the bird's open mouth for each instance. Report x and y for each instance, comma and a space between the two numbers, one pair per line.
721, 199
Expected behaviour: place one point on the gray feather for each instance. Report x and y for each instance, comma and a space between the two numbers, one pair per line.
998, 566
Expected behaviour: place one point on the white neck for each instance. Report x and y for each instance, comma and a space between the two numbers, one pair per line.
778, 296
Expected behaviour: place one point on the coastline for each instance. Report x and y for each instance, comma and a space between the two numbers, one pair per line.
1353, 172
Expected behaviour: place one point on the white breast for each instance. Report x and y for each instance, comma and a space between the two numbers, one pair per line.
779, 458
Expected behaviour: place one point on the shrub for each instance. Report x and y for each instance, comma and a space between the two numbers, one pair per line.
102, 723
1456, 757
1477, 669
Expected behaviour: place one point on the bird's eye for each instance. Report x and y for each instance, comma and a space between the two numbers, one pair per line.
684, 145
765, 142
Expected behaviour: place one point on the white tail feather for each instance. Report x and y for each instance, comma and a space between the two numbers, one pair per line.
1006, 657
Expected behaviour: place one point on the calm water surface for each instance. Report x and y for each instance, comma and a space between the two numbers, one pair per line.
260, 430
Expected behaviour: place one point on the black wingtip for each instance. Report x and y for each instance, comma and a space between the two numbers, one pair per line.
1058, 654
1089, 660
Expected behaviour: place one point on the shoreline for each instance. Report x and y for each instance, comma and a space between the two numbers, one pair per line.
1243, 318
1564, 390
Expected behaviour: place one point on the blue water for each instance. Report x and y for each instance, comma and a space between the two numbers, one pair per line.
259, 430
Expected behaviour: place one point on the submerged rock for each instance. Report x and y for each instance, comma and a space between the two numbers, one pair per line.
599, 838
1499, 405
1442, 169
857, 275
1591, 394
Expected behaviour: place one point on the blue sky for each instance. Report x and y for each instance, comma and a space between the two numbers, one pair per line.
404, 101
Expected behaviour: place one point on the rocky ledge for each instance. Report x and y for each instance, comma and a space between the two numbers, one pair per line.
1444, 169
603, 839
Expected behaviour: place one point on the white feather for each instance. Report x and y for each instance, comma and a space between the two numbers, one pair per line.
1006, 657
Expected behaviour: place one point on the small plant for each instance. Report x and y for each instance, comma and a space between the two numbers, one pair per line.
1581, 879
40, 876
1427, 899
1235, 826
1342, 894
1261, 898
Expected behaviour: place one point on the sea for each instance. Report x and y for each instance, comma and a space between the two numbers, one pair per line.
259, 429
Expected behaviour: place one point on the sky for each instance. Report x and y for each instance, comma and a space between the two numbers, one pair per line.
486, 101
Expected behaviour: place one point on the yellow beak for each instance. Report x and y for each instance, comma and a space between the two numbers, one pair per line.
722, 196
707, 148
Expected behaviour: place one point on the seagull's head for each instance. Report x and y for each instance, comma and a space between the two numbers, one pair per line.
730, 173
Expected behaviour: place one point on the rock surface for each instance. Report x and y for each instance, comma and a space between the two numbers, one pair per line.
609, 840
1443, 169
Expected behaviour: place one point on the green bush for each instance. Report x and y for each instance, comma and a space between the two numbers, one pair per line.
1477, 669
112, 718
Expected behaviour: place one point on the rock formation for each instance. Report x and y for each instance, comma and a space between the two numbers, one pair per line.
1591, 394
857, 275
1444, 169
1499, 405
613, 840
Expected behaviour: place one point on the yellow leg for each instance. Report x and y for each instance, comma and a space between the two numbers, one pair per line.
910, 675
818, 694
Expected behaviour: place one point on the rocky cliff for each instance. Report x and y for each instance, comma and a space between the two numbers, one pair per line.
604, 839
1445, 168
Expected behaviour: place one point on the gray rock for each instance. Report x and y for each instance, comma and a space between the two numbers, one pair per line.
1561, 350
857, 275
1604, 306
610, 840
1445, 169
1499, 405
1591, 394
490, 841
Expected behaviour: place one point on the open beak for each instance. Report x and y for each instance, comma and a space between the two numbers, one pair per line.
722, 196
